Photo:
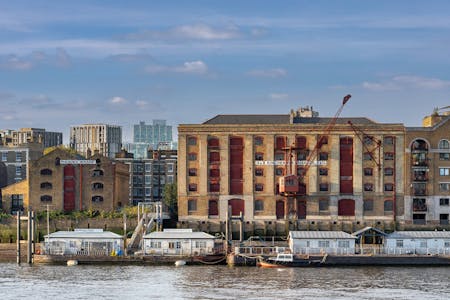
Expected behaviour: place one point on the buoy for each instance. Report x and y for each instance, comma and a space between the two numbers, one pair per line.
72, 262
180, 263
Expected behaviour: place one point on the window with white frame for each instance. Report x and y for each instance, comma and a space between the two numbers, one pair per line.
324, 244
399, 243
444, 201
344, 244
200, 244
4, 156
18, 170
444, 144
154, 244
148, 167
422, 243
169, 178
444, 171
170, 168
18, 156
446, 243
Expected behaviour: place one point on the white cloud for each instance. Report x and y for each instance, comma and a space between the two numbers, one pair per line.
269, 73
34, 59
118, 100
190, 67
407, 82
279, 96
189, 32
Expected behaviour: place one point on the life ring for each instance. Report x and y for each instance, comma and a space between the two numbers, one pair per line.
38, 252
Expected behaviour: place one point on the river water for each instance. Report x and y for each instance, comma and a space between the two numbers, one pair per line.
221, 282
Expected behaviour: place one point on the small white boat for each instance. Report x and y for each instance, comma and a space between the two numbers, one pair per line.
179, 263
72, 262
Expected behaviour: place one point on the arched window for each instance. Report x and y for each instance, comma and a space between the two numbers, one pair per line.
97, 199
46, 185
97, 186
444, 144
46, 172
46, 198
419, 145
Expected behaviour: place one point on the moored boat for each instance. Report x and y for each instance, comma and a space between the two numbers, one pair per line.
284, 260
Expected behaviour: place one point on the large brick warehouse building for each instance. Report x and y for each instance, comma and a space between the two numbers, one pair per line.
362, 173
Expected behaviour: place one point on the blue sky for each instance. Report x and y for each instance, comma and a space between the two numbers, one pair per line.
66, 63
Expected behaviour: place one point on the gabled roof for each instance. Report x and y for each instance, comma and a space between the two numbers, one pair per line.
178, 234
368, 228
320, 235
84, 234
419, 235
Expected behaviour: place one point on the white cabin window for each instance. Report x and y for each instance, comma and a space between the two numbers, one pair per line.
154, 244
446, 244
423, 244
399, 243
344, 244
200, 244
324, 244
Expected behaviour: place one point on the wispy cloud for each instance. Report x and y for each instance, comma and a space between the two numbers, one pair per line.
118, 100
279, 96
189, 32
269, 73
26, 62
407, 82
191, 67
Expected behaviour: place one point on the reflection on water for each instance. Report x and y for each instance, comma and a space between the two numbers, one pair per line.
221, 282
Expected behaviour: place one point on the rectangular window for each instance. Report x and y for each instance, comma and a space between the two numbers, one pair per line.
323, 187
214, 172
444, 201
192, 205
323, 171
259, 172
444, 187
399, 243
192, 141
388, 187
170, 168
368, 187
148, 168
388, 156
446, 244
344, 244
279, 171
258, 141
4, 156
259, 187
169, 178
192, 172
368, 171
259, 205
302, 155
259, 156
323, 205
18, 156
422, 244
214, 187
200, 244
367, 156
148, 192
192, 156
324, 244
444, 156
192, 187
156, 245
389, 140
388, 171
148, 179
279, 156
368, 205
444, 171
323, 156
18, 170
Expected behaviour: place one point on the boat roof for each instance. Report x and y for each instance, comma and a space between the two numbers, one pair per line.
320, 235
84, 234
419, 234
178, 234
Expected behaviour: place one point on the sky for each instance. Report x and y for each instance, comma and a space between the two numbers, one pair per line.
65, 63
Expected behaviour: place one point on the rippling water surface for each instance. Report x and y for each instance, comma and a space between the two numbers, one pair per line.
221, 282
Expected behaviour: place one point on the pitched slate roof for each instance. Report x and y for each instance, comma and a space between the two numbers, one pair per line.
419, 235
279, 119
320, 235
365, 229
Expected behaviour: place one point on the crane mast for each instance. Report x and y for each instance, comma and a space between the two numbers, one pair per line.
293, 185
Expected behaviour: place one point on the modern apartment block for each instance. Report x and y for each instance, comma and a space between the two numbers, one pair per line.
92, 138
31, 135
14, 162
363, 173
149, 176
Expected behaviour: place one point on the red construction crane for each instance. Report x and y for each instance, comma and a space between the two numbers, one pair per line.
368, 140
292, 184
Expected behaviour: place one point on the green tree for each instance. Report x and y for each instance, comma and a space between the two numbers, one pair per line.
170, 199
